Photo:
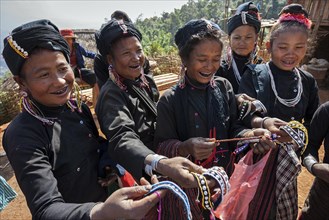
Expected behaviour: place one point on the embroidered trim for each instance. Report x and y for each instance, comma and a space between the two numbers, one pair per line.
176, 190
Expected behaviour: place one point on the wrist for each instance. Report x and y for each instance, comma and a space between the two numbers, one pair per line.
309, 161
152, 161
96, 211
263, 122
256, 122
181, 150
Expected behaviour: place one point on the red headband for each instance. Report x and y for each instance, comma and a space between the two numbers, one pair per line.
296, 17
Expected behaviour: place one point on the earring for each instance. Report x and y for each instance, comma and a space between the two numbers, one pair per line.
23, 95
181, 82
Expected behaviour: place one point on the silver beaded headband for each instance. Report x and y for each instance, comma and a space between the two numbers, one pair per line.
19, 50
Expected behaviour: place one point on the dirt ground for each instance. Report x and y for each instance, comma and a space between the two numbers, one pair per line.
18, 210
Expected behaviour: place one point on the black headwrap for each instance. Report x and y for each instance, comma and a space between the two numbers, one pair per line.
294, 9
191, 28
25, 38
112, 31
246, 13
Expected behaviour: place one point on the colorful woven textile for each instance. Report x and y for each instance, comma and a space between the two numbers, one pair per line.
6, 193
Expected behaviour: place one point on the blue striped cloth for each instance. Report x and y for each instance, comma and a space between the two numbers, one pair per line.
6, 193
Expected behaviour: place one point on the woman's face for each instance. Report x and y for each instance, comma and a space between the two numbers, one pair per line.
47, 77
243, 40
127, 57
204, 61
288, 49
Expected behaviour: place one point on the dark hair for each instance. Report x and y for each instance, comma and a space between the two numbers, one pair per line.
185, 51
290, 26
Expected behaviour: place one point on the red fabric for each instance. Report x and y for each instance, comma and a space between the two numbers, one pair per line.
127, 180
244, 182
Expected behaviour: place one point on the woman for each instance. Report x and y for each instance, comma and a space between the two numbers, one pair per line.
288, 93
77, 52
243, 29
126, 107
198, 110
53, 144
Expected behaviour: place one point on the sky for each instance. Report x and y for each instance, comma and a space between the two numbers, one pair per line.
77, 14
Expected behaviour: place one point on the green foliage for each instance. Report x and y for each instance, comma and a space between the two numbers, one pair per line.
158, 32
5, 76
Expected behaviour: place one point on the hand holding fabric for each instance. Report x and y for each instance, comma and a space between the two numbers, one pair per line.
127, 203
265, 143
273, 125
179, 169
199, 148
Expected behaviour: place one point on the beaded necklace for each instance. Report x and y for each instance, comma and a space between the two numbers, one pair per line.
30, 107
287, 102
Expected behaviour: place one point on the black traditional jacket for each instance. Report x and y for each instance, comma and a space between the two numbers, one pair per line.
56, 165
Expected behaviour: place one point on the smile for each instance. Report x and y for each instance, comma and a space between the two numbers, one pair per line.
60, 92
206, 74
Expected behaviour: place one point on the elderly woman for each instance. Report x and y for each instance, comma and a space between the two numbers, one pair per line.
53, 144
243, 29
126, 108
199, 109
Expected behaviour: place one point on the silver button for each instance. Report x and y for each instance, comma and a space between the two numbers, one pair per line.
78, 169
90, 135
295, 90
81, 122
295, 78
292, 118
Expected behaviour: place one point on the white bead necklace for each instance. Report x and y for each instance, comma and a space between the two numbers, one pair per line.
287, 102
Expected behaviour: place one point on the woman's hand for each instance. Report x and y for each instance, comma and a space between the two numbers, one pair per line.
273, 125
240, 98
198, 147
179, 169
265, 142
127, 203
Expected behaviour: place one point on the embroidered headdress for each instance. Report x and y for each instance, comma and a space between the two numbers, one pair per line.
246, 13
25, 38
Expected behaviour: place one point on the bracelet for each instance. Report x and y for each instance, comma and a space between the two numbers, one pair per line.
148, 170
176, 190
308, 162
155, 161
245, 110
259, 107
263, 121
154, 164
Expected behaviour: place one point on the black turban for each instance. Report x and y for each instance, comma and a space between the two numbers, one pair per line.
25, 38
113, 30
193, 27
294, 9
246, 13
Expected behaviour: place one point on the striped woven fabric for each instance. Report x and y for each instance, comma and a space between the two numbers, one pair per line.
6, 193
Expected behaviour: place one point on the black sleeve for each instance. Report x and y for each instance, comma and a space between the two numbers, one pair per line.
319, 128
236, 128
166, 121
246, 84
118, 125
34, 175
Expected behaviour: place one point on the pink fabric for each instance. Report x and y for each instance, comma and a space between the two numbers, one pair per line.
244, 182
